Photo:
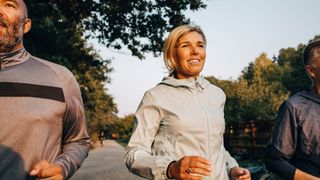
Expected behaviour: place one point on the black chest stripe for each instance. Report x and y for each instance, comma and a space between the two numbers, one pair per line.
10, 89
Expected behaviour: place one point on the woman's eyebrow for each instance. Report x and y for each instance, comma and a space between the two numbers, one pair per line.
13, 1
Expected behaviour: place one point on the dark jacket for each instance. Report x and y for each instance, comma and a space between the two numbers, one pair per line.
296, 136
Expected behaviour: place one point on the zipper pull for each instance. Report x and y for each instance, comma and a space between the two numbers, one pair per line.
198, 85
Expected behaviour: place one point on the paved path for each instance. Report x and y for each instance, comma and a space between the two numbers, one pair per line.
106, 163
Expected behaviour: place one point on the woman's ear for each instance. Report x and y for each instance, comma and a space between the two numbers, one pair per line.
27, 25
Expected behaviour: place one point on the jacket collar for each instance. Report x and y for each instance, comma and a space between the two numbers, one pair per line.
13, 58
311, 95
189, 83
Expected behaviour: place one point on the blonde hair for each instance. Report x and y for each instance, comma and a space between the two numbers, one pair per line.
171, 43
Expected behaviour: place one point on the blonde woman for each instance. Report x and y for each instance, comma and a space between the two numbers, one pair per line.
179, 124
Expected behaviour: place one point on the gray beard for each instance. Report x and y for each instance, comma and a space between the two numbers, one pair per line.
11, 37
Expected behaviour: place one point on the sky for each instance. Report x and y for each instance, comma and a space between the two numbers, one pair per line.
237, 32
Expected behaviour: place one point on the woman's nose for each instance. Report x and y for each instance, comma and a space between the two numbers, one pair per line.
194, 50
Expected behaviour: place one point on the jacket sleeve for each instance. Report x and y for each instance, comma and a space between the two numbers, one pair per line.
283, 143
230, 162
139, 157
75, 139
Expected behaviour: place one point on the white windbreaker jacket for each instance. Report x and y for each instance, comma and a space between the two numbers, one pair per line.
179, 118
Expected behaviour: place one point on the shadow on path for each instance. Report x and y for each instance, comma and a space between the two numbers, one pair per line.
106, 163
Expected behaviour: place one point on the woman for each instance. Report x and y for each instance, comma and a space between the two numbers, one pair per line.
179, 124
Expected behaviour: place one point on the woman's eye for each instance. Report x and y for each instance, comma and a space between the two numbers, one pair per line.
10, 5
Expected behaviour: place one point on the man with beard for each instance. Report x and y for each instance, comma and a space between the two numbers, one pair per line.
43, 132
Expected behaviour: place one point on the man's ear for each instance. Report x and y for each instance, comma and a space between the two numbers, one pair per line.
310, 70
27, 25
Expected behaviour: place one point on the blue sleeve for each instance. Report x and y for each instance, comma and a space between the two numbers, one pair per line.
277, 163
283, 143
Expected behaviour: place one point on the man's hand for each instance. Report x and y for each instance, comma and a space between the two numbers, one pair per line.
190, 167
238, 173
45, 170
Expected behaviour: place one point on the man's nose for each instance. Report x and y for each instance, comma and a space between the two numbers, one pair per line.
1, 11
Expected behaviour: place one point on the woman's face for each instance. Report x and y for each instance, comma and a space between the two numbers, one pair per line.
190, 55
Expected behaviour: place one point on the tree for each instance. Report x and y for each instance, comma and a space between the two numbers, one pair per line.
264, 91
294, 76
122, 128
256, 95
138, 25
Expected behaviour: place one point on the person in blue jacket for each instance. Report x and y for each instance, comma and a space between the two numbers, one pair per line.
294, 150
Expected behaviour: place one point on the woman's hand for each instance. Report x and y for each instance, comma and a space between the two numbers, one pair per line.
238, 173
189, 167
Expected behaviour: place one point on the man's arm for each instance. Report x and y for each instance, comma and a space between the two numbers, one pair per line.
300, 175
283, 142
278, 163
75, 139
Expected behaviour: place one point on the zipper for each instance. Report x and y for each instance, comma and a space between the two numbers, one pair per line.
207, 120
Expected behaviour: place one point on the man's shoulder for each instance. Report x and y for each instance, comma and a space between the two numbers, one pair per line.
300, 100
57, 68
305, 96
48, 63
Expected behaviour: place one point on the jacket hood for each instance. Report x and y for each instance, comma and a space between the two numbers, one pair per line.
189, 83
13, 58
311, 95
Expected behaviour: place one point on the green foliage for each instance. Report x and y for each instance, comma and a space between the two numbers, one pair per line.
263, 85
94, 137
138, 25
294, 76
122, 127
264, 92
256, 95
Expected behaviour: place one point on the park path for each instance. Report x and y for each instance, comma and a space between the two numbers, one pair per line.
105, 163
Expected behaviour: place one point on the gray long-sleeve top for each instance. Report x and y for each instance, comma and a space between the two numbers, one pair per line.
179, 118
41, 116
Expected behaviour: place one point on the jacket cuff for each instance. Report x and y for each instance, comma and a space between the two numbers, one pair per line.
164, 168
64, 169
167, 169
230, 166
